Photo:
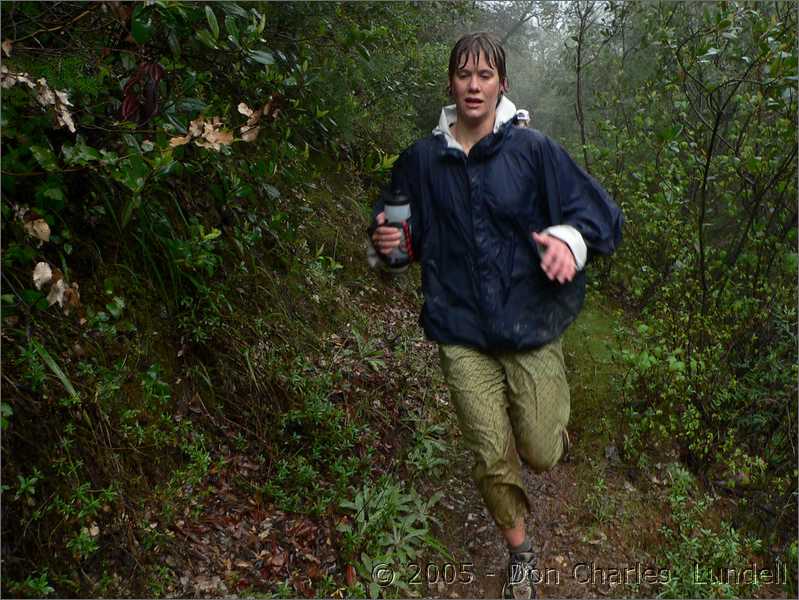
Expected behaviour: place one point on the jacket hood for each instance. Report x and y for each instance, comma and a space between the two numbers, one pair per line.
506, 110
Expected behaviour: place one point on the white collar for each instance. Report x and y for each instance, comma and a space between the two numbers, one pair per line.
506, 110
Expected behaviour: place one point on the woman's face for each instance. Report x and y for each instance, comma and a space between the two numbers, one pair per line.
476, 89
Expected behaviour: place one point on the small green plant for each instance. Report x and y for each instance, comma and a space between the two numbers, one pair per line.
429, 451
83, 545
390, 526
159, 581
368, 351
27, 485
34, 586
5, 414
598, 502
328, 263
698, 554
316, 459
31, 366
793, 557
284, 590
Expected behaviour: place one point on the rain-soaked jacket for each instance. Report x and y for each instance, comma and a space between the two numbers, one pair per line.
472, 219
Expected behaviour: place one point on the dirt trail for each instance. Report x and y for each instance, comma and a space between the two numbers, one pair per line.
570, 560
577, 554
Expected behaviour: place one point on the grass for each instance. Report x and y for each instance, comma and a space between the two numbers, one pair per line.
589, 346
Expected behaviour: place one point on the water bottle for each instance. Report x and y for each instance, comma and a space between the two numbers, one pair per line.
397, 209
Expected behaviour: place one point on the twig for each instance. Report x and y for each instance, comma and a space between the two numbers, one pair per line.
80, 16
37, 173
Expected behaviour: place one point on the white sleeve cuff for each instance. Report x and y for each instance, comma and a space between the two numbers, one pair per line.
572, 238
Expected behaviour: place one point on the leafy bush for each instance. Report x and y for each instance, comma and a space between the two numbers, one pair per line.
697, 143
167, 164
699, 556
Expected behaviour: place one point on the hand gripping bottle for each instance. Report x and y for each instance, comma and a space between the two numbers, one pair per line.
397, 209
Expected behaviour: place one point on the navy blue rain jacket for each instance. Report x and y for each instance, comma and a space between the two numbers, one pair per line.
472, 219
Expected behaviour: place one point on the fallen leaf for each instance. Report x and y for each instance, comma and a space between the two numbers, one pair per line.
42, 274
20, 212
7, 45
196, 127
63, 98
313, 571
249, 134
38, 229
71, 297
44, 94
179, 141
245, 110
56, 293
278, 560
221, 137
9, 78
349, 575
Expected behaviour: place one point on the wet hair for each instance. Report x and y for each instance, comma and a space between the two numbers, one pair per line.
471, 45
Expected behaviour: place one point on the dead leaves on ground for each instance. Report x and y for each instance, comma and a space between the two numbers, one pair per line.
249, 546
66, 295
33, 223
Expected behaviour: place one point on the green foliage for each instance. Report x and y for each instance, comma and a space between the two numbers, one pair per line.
34, 586
699, 556
792, 558
389, 528
597, 500
171, 243
204, 270
694, 133
316, 464
429, 451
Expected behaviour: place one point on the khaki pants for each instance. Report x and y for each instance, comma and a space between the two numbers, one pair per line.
509, 404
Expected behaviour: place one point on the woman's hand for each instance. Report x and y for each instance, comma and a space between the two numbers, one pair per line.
387, 238
558, 262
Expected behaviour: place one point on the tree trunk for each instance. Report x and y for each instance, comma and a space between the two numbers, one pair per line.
583, 13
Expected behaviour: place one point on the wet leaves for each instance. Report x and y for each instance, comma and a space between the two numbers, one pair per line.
206, 133
66, 295
45, 95
42, 274
246, 545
